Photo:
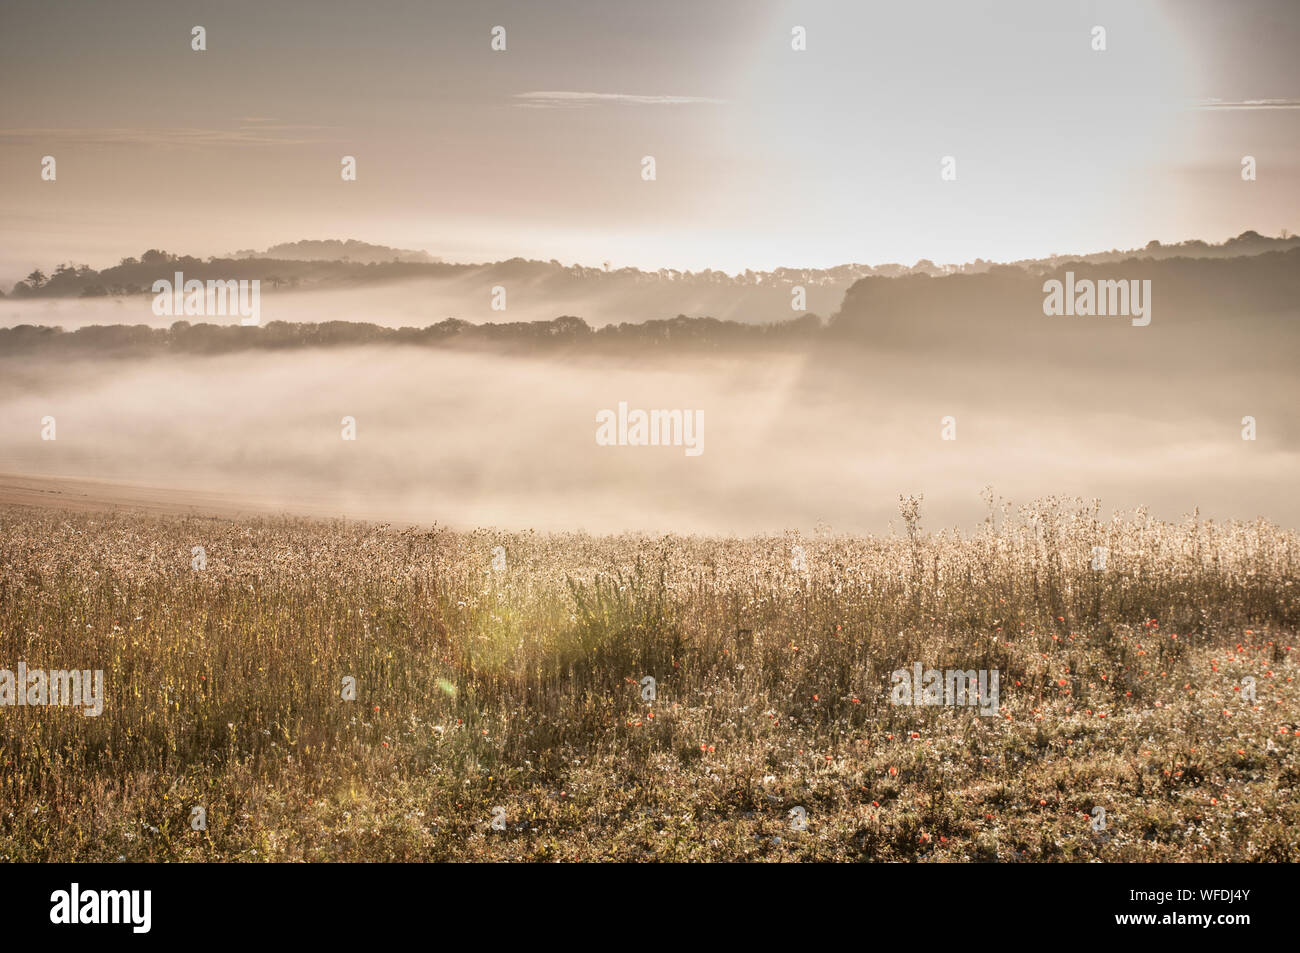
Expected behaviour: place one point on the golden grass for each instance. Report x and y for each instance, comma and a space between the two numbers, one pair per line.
520, 689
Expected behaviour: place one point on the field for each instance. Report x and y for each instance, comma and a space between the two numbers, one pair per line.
499, 677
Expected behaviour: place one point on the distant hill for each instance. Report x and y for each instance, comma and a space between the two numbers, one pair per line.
334, 250
1247, 243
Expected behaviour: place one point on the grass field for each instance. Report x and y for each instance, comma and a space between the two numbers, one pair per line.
516, 692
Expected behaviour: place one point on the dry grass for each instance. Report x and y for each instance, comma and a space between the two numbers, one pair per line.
520, 689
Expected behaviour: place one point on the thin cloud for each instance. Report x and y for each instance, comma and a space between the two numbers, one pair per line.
1249, 104
565, 99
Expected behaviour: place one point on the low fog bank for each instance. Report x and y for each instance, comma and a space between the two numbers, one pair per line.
790, 440
417, 302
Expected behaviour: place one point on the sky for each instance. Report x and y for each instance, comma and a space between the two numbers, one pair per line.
765, 156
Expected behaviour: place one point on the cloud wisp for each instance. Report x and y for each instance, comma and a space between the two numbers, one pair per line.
1249, 104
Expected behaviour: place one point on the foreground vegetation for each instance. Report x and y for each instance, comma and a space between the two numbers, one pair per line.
519, 687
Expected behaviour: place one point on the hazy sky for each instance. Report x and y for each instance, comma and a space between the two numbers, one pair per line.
765, 156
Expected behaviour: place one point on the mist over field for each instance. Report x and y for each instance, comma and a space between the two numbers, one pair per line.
827, 429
